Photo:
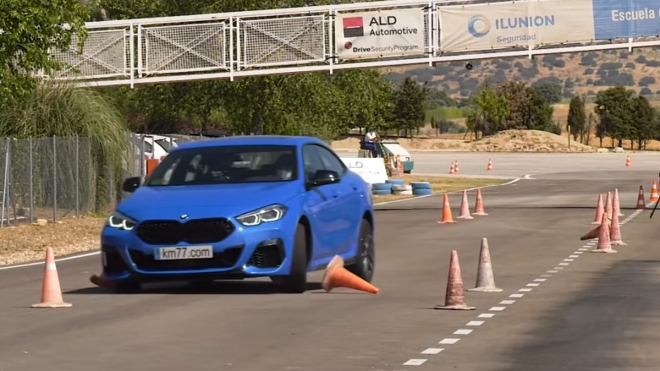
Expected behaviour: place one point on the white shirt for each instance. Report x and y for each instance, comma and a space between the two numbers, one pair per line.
370, 136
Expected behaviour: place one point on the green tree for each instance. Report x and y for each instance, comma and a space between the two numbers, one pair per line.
491, 109
551, 91
615, 110
645, 123
518, 98
577, 117
28, 30
409, 113
540, 113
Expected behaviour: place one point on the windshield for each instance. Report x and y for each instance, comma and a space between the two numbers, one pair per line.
226, 165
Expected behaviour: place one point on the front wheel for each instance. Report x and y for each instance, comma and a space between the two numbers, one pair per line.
365, 262
296, 281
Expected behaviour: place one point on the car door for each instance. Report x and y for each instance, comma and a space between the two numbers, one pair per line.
347, 202
320, 205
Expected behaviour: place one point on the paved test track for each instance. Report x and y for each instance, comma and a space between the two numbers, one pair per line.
596, 313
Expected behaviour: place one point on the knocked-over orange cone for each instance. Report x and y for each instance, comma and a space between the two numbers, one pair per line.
594, 233
51, 293
479, 206
100, 281
455, 294
654, 192
465, 208
615, 231
616, 204
337, 276
485, 278
604, 244
641, 204
600, 209
447, 218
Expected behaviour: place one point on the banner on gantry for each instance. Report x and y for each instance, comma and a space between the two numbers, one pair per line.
385, 33
505, 25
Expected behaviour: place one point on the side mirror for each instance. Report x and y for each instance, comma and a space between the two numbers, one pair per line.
131, 184
323, 177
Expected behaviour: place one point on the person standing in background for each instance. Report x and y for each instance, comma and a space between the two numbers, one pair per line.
370, 142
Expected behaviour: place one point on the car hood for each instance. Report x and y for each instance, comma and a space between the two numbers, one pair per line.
204, 200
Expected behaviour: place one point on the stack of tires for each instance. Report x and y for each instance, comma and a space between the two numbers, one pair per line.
381, 189
421, 188
399, 187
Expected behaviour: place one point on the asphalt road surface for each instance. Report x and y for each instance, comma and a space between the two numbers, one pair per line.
561, 308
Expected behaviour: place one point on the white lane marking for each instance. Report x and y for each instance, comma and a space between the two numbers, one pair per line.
546, 276
525, 290
433, 350
507, 302
574, 256
497, 309
463, 332
553, 271
558, 268
568, 260
449, 341
540, 279
475, 323
564, 264
532, 284
415, 362
86, 255
486, 315
516, 295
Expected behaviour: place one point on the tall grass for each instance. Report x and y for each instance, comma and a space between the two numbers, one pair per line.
59, 109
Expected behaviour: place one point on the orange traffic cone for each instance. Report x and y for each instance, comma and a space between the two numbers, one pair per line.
337, 276
456, 166
479, 206
465, 207
447, 218
485, 278
489, 167
628, 163
452, 169
604, 243
51, 293
616, 203
615, 231
100, 281
608, 205
599, 210
641, 204
654, 192
455, 294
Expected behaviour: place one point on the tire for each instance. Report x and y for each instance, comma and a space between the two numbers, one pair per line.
365, 262
296, 281
129, 286
381, 192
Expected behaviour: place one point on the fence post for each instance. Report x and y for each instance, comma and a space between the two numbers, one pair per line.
54, 178
4, 184
77, 176
30, 165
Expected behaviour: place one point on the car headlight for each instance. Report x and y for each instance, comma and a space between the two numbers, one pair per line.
119, 221
267, 214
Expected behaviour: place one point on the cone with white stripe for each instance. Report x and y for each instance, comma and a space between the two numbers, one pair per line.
641, 204
654, 192
51, 293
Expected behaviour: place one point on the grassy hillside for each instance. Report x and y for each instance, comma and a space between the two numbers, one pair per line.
581, 73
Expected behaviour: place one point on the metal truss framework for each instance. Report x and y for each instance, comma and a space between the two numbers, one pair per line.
266, 42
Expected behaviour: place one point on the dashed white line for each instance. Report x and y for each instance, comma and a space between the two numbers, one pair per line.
433, 350
475, 323
564, 264
497, 309
414, 362
463, 332
568, 260
533, 284
507, 302
516, 295
546, 276
540, 279
553, 271
449, 341
574, 256
486, 315
525, 290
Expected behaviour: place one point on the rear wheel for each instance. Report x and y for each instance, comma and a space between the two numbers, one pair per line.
296, 281
365, 261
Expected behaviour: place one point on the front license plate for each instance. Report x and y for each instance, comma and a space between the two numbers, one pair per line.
184, 253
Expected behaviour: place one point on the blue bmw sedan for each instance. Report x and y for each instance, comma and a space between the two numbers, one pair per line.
240, 207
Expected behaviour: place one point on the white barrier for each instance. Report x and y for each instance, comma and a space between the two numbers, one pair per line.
372, 170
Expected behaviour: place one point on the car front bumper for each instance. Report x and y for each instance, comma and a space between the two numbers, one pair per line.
248, 252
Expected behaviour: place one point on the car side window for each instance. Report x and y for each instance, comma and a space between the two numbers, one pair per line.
311, 161
330, 161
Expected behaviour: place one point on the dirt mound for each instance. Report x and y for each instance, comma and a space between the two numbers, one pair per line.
527, 141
